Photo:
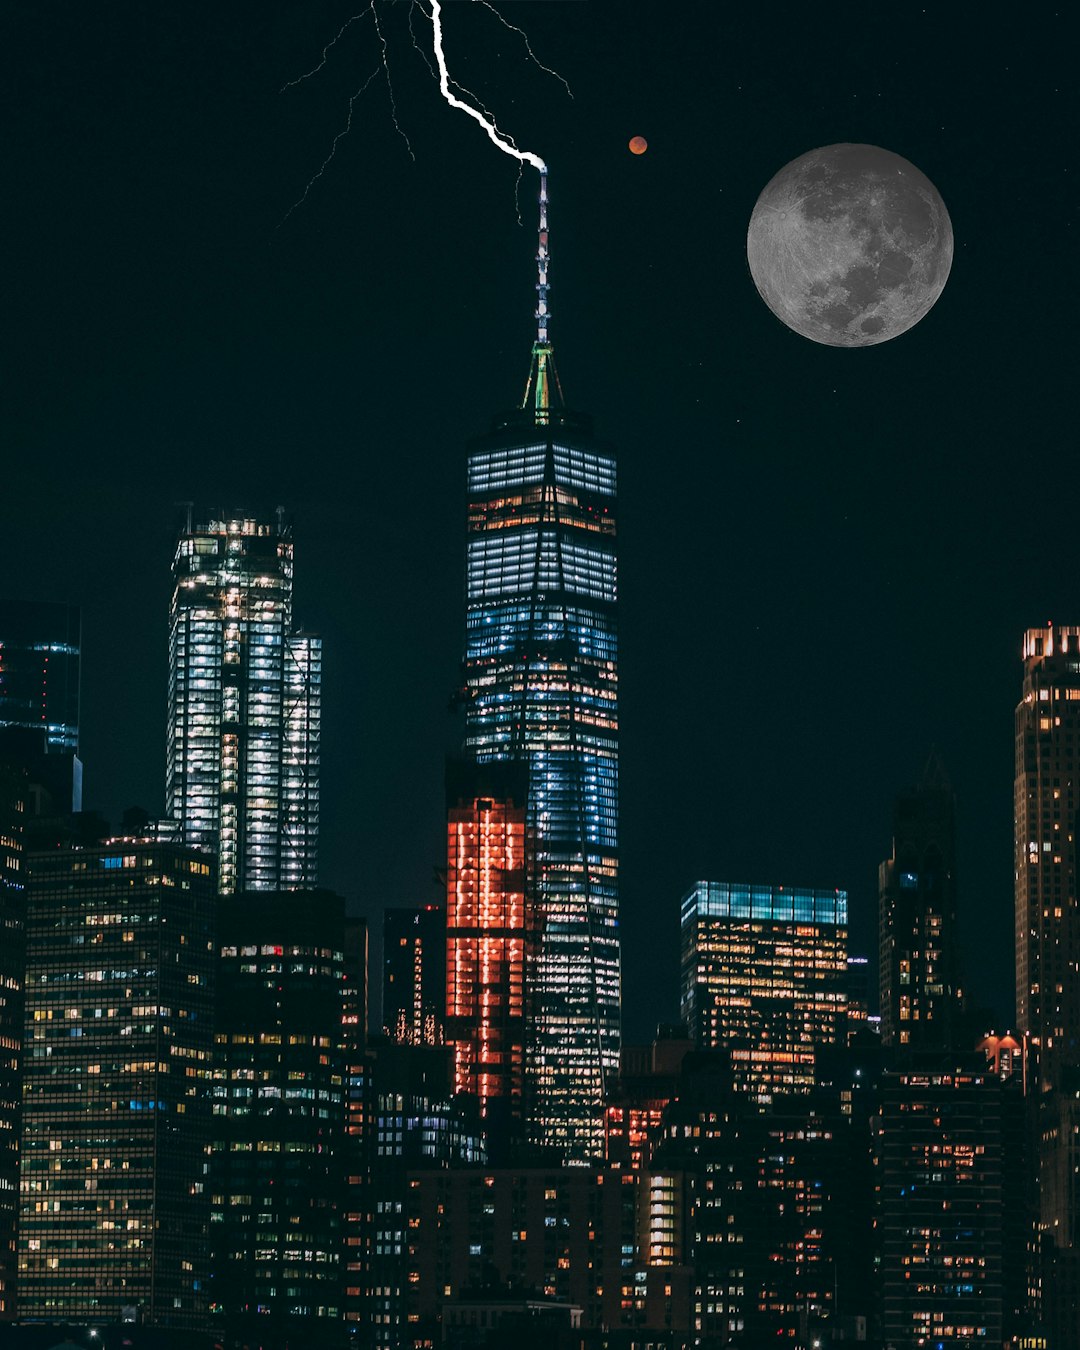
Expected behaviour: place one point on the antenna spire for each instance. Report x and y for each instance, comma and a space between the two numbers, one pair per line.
542, 368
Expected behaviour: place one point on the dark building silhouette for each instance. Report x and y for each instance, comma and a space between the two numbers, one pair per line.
277, 1162
115, 1125
357, 1101
465, 1231
941, 1183
414, 974
648, 1081
413, 1122
40, 643
767, 1209
918, 968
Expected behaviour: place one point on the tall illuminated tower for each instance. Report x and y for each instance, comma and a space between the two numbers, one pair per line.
490, 943
244, 706
541, 683
1046, 798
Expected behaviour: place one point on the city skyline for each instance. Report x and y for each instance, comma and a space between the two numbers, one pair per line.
851, 523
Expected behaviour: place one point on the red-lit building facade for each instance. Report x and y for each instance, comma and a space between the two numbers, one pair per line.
491, 937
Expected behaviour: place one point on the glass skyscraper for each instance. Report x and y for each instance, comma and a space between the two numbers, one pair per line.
244, 706
540, 668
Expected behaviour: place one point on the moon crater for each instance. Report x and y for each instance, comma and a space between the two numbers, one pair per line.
850, 245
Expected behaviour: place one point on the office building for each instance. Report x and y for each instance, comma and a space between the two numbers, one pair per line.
491, 942
941, 1172
115, 1127
918, 967
764, 972
1046, 800
40, 643
414, 974
13, 795
416, 1123
244, 715
541, 678
279, 1120
465, 1230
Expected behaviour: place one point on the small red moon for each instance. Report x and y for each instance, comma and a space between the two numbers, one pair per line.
638, 145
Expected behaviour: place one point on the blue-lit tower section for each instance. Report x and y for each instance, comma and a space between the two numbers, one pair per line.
244, 706
541, 664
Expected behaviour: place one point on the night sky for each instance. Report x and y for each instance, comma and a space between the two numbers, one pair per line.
828, 557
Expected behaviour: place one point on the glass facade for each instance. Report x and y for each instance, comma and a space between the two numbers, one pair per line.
119, 1033
244, 707
541, 664
39, 670
764, 976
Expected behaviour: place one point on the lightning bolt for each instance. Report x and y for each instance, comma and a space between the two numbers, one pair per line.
325, 53
449, 88
525, 38
389, 86
497, 137
333, 150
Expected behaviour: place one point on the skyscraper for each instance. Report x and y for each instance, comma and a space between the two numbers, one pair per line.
244, 706
491, 935
541, 664
918, 969
764, 977
13, 793
279, 1116
115, 1123
1046, 799
940, 1181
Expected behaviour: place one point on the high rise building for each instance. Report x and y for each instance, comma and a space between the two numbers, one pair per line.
1046, 800
541, 663
277, 1164
39, 670
244, 706
414, 974
918, 967
491, 942
13, 794
115, 1127
941, 1171
764, 974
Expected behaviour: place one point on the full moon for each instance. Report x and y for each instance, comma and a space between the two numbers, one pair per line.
850, 245
638, 145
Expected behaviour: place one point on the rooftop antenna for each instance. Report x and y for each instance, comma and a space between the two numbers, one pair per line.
542, 373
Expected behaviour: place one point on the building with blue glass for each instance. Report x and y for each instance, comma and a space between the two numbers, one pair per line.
764, 978
541, 679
